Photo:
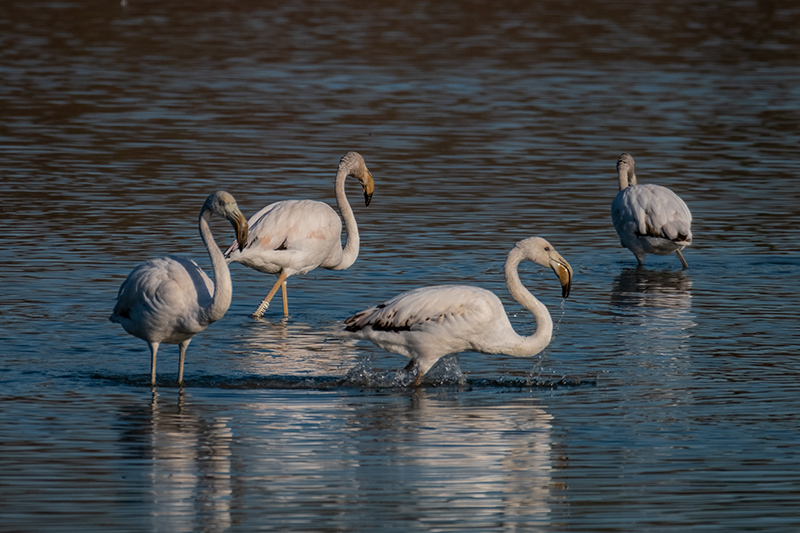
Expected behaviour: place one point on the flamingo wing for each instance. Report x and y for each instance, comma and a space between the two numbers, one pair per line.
292, 235
161, 300
652, 211
453, 316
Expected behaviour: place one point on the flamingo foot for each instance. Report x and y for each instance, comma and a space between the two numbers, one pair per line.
258, 313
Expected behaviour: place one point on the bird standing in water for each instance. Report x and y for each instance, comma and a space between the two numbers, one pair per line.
650, 219
170, 299
428, 323
296, 236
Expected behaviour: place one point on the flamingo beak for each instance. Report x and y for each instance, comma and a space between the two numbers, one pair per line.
564, 272
239, 224
369, 187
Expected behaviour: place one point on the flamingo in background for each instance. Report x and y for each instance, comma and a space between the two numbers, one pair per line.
170, 299
297, 236
650, 219
428, 323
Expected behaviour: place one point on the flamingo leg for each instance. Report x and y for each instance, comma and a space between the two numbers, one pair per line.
285, 299
683, 261
265, 304
409, 367
153, 352
181, 358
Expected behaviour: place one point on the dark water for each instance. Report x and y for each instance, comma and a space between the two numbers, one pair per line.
667, 400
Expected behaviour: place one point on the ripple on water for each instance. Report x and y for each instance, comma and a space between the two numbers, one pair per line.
667, 400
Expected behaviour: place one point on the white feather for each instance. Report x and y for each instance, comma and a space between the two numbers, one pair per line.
649, 219
428, 323
296, 236
170, 299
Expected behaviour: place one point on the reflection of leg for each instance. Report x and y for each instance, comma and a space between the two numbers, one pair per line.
683, 261
265, 304
285, 298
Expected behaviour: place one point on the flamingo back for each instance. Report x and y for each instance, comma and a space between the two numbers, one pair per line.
162, 300
441, 319
291, 235
652, 211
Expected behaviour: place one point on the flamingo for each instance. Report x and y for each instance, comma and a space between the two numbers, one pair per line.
428, 323
170, 299
297, 236
649, 218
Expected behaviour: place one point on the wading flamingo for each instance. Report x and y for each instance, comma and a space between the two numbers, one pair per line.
428, 323
650, 219
170, 299
297, 236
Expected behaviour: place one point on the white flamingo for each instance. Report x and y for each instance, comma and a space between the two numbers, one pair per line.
297, 236
650, 219
428, 323
170, 299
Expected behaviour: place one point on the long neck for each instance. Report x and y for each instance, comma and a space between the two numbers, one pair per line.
223, 289
350, 251
626, 178
533, 344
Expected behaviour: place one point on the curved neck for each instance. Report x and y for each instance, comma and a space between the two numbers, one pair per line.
223, 288
350, 251
533, 344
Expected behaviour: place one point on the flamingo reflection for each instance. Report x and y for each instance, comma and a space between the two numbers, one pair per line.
188, 482
291, 349
654, 308
495, 462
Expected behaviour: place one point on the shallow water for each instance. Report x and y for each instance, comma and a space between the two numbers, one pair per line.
668, 399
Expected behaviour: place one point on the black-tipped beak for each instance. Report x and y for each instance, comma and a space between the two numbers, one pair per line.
241, 236
239, 224
369, 186
564, 272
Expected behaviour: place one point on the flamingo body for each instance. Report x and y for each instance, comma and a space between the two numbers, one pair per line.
153, 292
296, 236
281, 239
649, 219
428, 323
170, 299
